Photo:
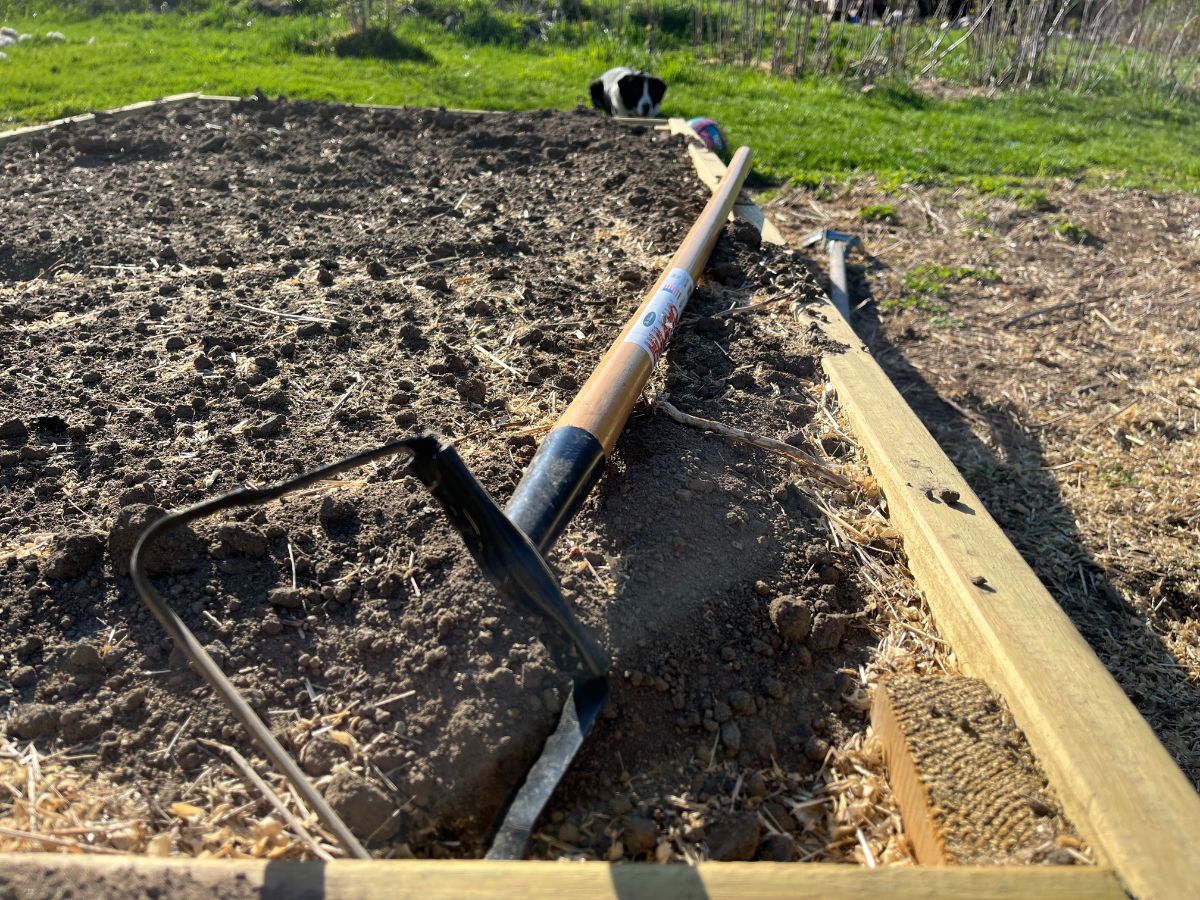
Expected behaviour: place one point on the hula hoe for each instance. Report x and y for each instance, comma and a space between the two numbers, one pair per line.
509, 545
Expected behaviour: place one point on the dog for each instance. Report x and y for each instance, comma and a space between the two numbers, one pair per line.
628, 92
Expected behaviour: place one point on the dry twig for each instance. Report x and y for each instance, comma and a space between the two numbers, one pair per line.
811, 463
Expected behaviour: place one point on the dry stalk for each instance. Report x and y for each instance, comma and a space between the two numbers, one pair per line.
273, 798
805, 460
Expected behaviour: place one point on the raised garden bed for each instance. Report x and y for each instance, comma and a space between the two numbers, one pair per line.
220, 294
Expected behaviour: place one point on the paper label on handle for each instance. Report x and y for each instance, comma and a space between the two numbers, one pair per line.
653, 330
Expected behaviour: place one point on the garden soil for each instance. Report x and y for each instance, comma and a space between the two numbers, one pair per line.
209, 296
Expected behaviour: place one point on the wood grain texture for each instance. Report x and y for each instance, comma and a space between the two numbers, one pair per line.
969, 789
479, 879
912, 796
1116, 781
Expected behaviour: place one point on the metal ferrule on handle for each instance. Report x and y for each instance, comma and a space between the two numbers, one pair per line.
571, 458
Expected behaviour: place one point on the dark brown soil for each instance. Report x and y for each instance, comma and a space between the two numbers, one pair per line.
440, 272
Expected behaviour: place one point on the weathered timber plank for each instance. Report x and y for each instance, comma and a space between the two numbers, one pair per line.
118, 112
969, 789
479, 879
1117, 783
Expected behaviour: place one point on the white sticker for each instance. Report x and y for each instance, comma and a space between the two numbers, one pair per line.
652, 331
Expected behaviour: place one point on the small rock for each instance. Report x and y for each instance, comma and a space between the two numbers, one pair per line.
742, 703
324, 277
376, 269
639, 836
139, 493
778, 848
73, 555
365, 808
731, 738
321, 754
84, 659
949, 496
271, 624
827, 632
269, 428
175, 342
620, 805
173, 553
125, 839
286, 597
756, 785
15, 430
336, 511
816, 748
734, 838
829, 575
473, 390
746, 234
245, 539
33, 721
792, 618
24, 676
1040, 807
757, 739
762, 589
202, 363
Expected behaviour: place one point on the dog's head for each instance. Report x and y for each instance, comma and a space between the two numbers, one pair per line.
642, 93
622, 91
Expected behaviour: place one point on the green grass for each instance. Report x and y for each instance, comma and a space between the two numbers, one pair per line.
928, 286
1117, 475
810, 132
1070, 231
1026, 197
933, 279
878, 212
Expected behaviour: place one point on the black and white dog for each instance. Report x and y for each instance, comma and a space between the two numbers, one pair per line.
628, 92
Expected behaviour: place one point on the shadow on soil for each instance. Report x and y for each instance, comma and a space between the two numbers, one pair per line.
306, 881
1051, 544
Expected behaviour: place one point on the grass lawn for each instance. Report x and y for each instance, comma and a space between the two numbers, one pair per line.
803, 131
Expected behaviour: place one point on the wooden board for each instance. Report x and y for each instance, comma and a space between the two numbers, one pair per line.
468, 879
1116, 781
967, 784
120, 111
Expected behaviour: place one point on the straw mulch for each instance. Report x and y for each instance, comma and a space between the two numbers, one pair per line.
1052, 352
